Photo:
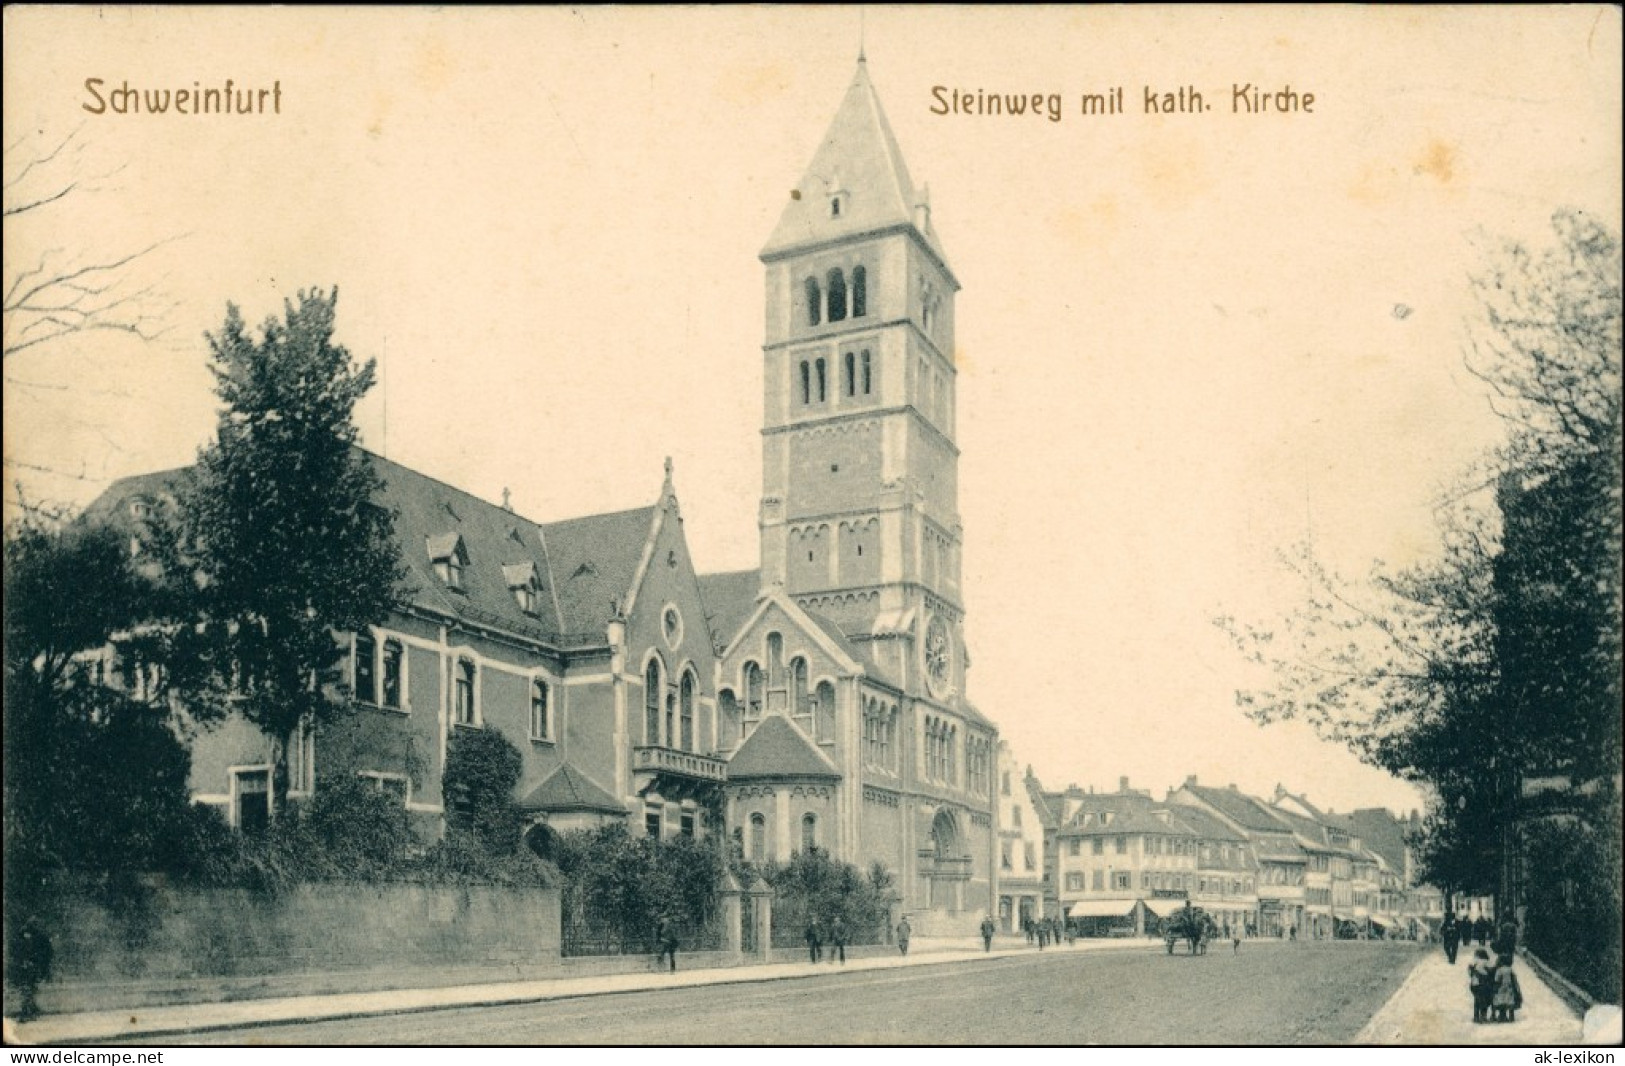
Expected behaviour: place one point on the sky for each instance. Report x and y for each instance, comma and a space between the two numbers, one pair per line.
1185, 342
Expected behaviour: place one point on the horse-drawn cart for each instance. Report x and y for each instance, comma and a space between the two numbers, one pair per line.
1191, 924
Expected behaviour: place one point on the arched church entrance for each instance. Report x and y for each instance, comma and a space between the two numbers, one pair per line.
949, 863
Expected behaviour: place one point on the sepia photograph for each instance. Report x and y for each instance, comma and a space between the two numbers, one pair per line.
793, 526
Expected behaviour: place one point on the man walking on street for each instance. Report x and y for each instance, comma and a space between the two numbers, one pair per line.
815, 942
903, 931
837, 939
987, 933
666, 937
1448, 932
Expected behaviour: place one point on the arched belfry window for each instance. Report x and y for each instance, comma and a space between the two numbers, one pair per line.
809, 832
860, 292
815, 302
651, 703
867, 372
851, 360
806, 382
837, 295
823, 380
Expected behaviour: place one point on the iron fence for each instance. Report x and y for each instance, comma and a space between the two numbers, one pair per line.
586, 930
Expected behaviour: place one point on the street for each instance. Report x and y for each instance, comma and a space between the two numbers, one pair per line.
1270, 993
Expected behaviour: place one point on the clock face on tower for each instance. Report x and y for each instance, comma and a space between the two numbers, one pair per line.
938, 655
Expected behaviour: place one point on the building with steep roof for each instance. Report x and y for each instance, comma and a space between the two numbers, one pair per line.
817, 700
1282, 881
1022, 880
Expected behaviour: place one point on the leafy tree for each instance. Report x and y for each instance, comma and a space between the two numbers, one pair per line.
813, 884
482, 768
1500, 658
277, 529
95, 781
618, 888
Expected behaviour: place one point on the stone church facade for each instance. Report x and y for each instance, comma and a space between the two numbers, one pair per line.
817, 700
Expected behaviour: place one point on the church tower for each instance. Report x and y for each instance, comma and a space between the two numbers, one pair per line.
859, 514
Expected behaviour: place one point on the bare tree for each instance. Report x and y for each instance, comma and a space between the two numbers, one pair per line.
61, 293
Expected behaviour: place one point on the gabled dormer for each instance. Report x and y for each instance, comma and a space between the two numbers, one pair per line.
449, 555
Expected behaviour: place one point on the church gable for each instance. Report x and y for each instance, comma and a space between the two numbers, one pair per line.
781, 664
668, 635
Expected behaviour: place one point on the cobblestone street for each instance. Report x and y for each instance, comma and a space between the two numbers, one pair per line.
1267, 994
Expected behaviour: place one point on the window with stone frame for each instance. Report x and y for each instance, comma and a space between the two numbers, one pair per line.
758, 838
753, 698
541, 727
686, 711
364, 668
394, 661
465, 704
801, 697
652, 688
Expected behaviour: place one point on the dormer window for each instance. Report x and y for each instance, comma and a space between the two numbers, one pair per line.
523, 583
450, 558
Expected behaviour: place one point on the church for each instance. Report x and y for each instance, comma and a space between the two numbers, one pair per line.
816, 701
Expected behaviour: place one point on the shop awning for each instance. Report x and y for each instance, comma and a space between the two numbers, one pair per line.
1162, 908
1100, 908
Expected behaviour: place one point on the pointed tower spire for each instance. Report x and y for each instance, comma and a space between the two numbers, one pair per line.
857, 182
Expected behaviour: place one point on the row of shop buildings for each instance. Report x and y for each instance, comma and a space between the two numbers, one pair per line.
1114, 863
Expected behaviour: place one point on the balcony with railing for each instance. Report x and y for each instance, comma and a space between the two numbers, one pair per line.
668, 764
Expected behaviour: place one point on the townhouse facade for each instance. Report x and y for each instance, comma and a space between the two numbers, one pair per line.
1021, 875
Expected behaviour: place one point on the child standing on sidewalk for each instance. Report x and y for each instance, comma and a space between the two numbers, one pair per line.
1481, 983
1508, 996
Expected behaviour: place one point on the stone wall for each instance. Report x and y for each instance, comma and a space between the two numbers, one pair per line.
164, 943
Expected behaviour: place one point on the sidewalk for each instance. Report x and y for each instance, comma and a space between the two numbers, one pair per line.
1433, 1006
113, 1026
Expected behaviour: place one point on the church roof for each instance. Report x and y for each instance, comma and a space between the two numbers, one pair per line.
568, 789
730, 599
858, 156
595, 559
775, 748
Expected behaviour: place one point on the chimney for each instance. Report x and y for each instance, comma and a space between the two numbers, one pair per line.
1122, 783
1232, 786
1190, 780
